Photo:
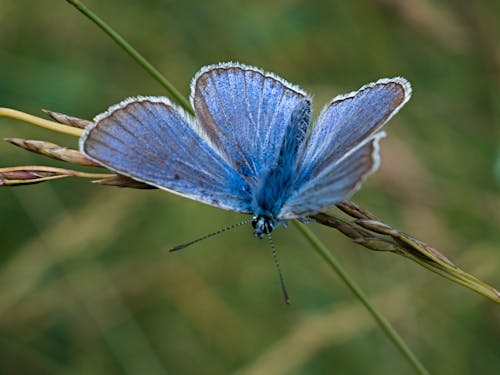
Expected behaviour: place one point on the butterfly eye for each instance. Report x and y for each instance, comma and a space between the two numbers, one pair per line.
254, 222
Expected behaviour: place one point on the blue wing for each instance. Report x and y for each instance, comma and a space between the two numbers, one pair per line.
342, 147
150, 140
336, 183
244, 113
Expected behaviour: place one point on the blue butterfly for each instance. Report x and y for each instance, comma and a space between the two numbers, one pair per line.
249, 148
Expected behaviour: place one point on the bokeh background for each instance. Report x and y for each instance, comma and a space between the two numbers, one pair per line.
86, 285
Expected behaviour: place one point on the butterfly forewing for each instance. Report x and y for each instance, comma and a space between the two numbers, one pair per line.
149, 140
342, 147
244, 113
349, 120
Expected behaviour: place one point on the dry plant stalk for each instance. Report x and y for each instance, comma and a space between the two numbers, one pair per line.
357, 223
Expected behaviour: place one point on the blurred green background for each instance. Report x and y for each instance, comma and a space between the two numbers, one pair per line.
86, 286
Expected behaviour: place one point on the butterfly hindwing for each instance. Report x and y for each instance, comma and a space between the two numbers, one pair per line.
335, 183
150, 140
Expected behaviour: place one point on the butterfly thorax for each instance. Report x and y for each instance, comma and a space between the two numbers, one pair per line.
269, 198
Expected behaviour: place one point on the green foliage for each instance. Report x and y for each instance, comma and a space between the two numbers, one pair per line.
85, 283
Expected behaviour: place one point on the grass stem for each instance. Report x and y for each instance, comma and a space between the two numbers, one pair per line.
384, 325
134, 54
51, 125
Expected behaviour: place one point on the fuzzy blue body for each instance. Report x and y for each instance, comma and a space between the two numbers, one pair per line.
278, 182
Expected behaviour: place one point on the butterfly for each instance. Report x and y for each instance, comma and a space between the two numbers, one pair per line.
250, 147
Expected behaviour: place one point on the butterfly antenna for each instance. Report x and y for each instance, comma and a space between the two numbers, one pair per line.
229, 227
278, 267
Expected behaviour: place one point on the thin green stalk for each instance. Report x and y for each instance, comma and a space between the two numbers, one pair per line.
134, 54
317, 244
384, 325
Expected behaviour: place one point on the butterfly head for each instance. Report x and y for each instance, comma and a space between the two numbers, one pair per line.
263, 224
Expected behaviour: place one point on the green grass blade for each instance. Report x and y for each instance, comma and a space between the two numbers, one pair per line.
384, 325
134, 54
